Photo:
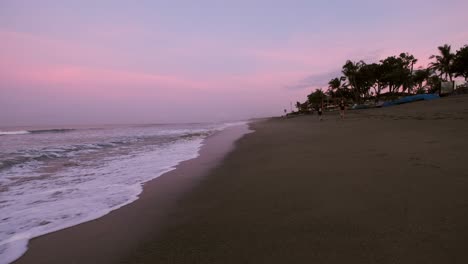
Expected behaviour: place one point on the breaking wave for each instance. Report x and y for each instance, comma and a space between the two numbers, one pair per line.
40, 131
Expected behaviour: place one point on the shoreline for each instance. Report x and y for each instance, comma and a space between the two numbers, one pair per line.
384, 185
121, 230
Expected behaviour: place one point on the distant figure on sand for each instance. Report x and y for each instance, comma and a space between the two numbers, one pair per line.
319, 111
342, 109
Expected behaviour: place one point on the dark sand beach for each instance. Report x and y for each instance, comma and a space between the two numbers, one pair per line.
110, 238
382, 186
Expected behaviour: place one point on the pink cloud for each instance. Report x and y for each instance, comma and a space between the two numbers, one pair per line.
20, 64
16, 68
88, 70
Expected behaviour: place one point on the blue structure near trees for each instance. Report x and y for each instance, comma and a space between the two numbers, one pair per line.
412, 98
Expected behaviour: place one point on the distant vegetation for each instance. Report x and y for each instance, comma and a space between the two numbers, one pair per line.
392, 77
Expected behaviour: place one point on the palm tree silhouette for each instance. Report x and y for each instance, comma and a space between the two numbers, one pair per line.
334, 86
351, 70
444, 61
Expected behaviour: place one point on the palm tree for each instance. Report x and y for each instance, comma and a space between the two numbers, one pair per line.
433, 83
377, 75
408, 62
351, 70
394, 73
334, 86
316, 97
460, 63
419, 77
443, 62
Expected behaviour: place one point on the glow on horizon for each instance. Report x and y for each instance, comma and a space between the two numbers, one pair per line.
82, 62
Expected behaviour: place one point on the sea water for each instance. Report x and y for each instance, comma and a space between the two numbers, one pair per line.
51, 179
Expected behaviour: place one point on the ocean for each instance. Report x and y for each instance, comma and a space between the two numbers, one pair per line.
51, 179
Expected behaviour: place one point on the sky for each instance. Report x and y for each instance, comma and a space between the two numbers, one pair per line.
113, 62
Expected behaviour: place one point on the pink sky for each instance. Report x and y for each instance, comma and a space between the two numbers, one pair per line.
69, 65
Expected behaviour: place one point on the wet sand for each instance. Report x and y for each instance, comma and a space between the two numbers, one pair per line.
121, 232
383, 186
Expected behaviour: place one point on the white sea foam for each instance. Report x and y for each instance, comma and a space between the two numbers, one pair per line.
19, 132
35, 201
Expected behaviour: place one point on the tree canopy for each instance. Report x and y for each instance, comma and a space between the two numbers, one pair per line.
443, 62
460, 63
316, 97
396, 75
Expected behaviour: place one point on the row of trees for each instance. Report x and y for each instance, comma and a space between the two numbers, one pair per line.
395, 75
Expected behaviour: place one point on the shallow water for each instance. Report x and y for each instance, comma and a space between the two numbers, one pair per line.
51, 179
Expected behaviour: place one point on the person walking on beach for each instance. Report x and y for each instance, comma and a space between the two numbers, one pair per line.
319, 111
342, 109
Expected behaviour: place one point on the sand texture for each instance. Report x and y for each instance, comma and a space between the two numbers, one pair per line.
121, 232
383, 186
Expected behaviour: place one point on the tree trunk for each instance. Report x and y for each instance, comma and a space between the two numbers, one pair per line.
377, 93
